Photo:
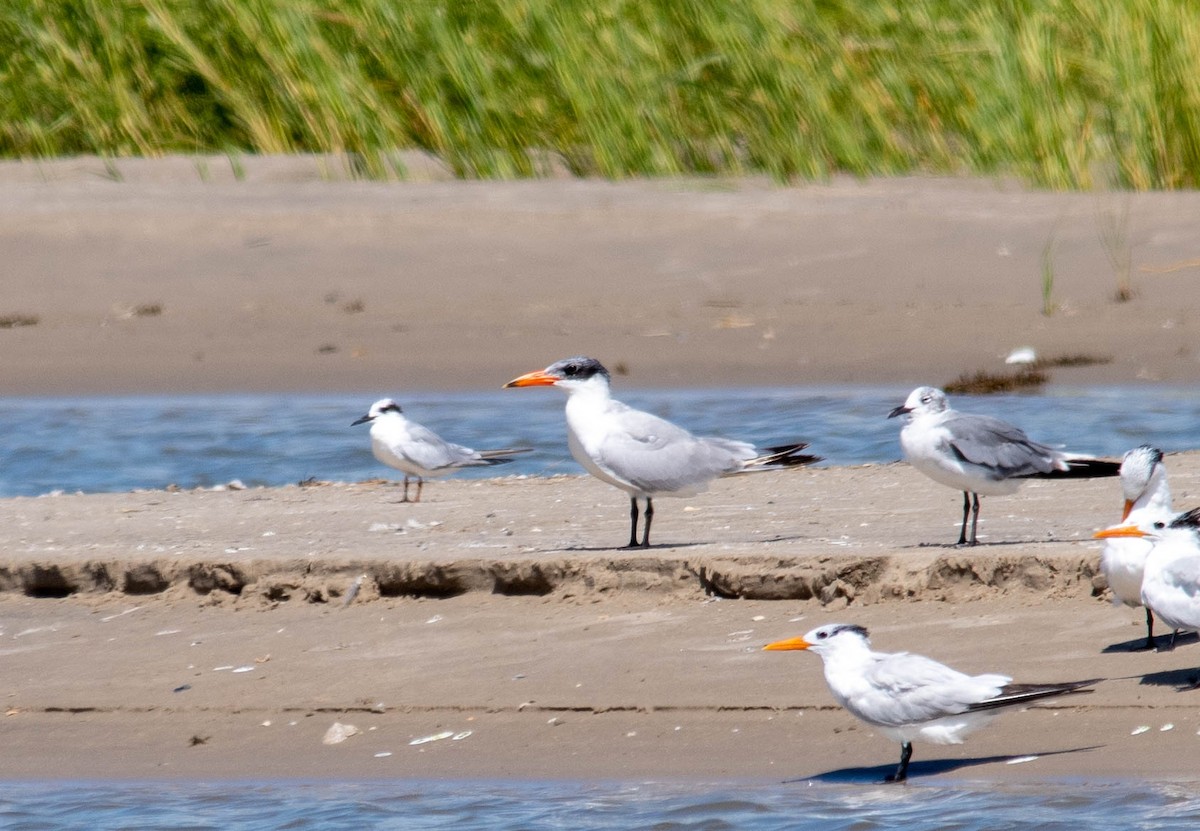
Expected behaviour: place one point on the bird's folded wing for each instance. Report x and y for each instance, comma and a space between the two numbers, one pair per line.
908, 689
998, 445
427, 449
662, 467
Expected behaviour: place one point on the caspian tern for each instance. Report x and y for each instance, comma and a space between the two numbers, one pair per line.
640, 453
978, 454
418, 451
1171, 578
1147, 501
910, 697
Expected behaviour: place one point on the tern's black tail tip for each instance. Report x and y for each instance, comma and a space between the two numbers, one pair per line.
501, 457
786, 455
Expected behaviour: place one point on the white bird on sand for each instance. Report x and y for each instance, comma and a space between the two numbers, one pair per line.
418, 451
640, 453
1147, 501
978, 454
910, 697
1171, 578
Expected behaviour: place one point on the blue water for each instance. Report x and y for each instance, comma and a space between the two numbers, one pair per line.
534, 806
120, 444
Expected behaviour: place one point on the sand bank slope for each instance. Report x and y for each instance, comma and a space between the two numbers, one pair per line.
208, 633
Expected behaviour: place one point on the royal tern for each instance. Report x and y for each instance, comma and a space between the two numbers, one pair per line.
1147, 501
1171, 578
640, 453
978, 454
418, 451
910, 697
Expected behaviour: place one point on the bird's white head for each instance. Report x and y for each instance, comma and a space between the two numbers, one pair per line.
1139, 468
825, 639
569, 374
380, 408
1184, 526
922, 401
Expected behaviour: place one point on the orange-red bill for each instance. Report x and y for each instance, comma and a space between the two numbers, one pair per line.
790, 643
540, 378
1120, 531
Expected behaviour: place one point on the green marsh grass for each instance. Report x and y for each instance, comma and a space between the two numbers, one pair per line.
1050, 90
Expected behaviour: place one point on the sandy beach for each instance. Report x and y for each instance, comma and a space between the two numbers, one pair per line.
213, 634
219, 634
176, 277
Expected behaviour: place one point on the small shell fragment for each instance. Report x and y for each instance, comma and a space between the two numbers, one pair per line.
338, 733
436, 737
1137, 731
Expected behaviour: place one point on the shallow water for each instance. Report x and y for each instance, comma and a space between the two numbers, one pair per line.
120, 444
533, 806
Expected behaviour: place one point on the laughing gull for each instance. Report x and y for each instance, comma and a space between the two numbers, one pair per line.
978, 454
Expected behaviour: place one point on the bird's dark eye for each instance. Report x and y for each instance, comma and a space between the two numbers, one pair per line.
571, 369
1158, 526
822, 636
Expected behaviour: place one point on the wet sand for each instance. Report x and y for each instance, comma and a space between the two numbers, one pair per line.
214, 634
501, 612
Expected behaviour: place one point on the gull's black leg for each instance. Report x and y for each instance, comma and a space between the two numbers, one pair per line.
646, 522
962, 535
901, 773
633, 516
975, 520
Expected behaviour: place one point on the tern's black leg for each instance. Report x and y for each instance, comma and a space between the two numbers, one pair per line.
1171, 644
405, 499
649, 514
962, 535
901, 773
420, 484
633, 516
1149, 629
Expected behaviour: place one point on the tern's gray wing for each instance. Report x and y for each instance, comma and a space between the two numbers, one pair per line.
998, 445
656, 456
908, 689
429, 450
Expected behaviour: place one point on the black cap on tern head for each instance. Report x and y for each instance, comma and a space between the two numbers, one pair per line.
579, 368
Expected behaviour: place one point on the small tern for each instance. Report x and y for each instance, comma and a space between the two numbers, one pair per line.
910, 697
1147, 501
1171, 579
978, 454
418, 451
640, 453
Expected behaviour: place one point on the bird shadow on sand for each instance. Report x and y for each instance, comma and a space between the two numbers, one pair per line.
666, 546
1161, 643
625, 549
932, 767
986, 544
1183, 680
